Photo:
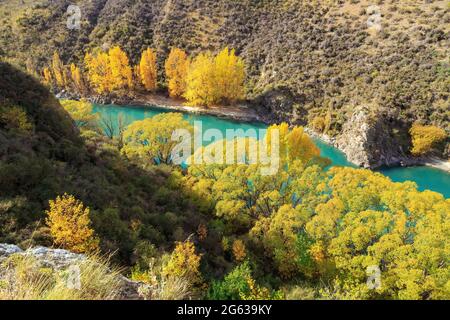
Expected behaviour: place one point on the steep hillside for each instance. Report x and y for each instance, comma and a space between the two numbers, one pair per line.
43, 155
305, 59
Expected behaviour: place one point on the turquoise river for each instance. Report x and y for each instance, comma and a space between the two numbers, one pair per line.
426, 178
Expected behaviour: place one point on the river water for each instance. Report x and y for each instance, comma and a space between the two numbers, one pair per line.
426, 178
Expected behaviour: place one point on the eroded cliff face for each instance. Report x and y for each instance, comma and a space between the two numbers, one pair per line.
370, 141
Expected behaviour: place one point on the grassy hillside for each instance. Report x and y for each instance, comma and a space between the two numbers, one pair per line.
212, 231
42, 155
304, 58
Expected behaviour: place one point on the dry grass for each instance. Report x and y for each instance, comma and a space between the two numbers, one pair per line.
22, 277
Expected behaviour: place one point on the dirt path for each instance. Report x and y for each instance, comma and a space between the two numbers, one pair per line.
238, 112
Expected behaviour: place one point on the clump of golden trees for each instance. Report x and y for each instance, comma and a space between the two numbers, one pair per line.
205, 80
216, 79
109, 72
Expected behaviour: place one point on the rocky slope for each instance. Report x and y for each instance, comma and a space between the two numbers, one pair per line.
304, 59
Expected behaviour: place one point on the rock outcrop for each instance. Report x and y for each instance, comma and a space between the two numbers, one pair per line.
368, 141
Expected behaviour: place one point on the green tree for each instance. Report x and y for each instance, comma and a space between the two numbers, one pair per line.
81, 112
150, 140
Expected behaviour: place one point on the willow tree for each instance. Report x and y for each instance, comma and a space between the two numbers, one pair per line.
150, 140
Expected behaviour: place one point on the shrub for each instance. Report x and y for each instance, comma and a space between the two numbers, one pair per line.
426, 138
184, 263
15, 118
69, 224
318, 124
240, 285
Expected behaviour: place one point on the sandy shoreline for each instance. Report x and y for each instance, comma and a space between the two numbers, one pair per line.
239, 112
438, 164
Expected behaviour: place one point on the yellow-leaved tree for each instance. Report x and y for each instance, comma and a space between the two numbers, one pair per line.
99, 71
147, 69
81, 113
239, 251
176, 72
425, 138
295, 144
58, 71
229, 76
121, 72
184, 263
199, 88
77, 79
109, 72
150, 140
215, 79
70, 225
48, 77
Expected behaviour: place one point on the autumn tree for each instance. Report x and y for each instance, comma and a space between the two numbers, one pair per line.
215, 79
295, 144
70, 224
239, 251
47, 77
81, 112
199, 89
148, 69
278, 233
372, 222
58, 71
151, 139
184, 263
77, 79
426, 138
109, 72
176, 66
229, 76
99, 71
121, 72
